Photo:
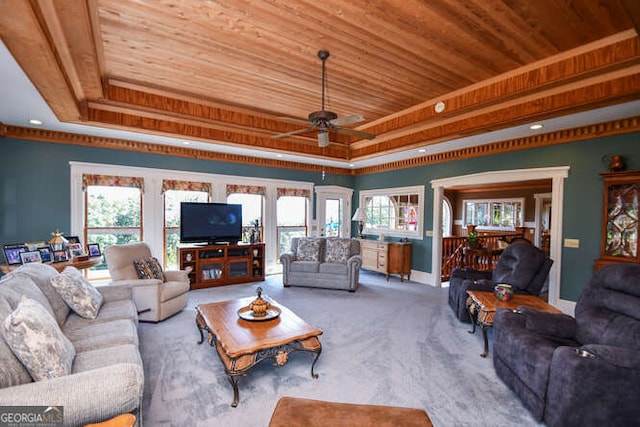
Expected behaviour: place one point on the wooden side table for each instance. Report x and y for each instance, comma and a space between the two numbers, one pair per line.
482, 306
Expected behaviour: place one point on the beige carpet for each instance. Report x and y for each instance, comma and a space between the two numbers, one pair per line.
389, 343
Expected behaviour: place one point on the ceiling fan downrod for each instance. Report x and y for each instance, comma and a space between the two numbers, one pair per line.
323, 55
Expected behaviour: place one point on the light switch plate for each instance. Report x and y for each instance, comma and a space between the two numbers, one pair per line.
428, 233
571, 243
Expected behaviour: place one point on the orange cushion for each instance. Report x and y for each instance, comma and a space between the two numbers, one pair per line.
124, 420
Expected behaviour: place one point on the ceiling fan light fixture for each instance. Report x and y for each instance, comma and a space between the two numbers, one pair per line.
323, 139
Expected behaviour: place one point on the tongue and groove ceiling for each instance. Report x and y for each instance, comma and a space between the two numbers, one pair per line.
233, 73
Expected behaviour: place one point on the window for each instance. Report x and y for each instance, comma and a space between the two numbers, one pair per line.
394, 211
251, 211
333, 218
292, 221
172, 200
447, 213
494, 214
113, 212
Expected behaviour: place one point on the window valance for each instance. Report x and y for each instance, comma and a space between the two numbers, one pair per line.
172, 184
294, 192
246, 189
112, 181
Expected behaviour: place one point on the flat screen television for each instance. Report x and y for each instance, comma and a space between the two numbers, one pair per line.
210, 223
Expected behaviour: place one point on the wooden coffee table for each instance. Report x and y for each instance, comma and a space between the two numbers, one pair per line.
242, 344
482, 306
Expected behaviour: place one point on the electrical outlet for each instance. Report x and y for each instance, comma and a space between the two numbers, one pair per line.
571, 243
428, 233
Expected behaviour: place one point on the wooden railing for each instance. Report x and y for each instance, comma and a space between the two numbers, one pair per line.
453, 252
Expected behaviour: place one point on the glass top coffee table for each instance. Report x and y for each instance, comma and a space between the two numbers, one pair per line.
242, 344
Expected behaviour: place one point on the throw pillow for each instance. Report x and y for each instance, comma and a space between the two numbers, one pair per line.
80, 295
36, 339
149, 268
338, 251
308, 250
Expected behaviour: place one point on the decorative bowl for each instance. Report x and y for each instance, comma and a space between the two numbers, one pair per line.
503, 291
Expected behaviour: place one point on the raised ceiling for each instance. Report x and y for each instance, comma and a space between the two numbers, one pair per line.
232, 72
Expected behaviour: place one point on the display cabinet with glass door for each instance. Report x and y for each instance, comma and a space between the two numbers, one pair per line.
619, 233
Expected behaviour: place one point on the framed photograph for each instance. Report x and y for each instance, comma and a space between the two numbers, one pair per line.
94, 249
30, 256
72, 239
12, 253
76, 249
33, 246
60, 256
45, 253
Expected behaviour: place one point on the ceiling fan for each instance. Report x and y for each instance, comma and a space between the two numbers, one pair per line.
327, 121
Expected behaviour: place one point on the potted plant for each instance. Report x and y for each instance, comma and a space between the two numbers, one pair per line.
472, 237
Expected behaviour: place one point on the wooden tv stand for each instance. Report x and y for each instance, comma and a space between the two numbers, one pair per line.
220, 265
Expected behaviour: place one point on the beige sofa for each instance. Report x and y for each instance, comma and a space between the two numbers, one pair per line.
332, 263
156, 299
107, 376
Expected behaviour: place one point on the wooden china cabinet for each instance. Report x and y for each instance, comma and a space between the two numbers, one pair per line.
619, 233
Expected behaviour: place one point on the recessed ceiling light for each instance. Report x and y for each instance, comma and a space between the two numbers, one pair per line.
279, 155
439, 107
35, 122
351, 165
186, 143
536, 126
422, 150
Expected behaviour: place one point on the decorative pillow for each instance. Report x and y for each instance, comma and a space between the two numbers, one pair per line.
338, 250
308, 250
149, 268
80, 295
36, 339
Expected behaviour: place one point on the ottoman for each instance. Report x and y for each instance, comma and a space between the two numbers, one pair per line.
293, 411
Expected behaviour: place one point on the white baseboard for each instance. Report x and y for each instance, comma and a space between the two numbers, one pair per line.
566, 306
422, 277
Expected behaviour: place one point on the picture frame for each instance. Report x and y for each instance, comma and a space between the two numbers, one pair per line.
60, 256
33, 246
94, 250
72, 239
12, 253
46, 253
30, 256
76, 250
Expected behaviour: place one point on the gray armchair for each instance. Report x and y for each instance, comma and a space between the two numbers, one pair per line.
155, 299
582, 371
521, 265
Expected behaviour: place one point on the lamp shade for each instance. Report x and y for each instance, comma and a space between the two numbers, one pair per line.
360, 215
323, 139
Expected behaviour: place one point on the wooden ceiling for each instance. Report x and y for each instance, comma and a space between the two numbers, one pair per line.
233, 71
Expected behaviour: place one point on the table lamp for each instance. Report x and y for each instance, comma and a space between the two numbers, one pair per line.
361, 216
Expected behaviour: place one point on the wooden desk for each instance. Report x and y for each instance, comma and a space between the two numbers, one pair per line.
242, 344
482, 306
80, 265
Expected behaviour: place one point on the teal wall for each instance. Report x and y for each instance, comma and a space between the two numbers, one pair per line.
582, 213
35, 193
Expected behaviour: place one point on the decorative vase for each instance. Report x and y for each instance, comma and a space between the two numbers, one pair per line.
503, 291
259, 306
58, 241
616, 164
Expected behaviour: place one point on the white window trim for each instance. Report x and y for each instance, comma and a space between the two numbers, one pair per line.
493, 227
152, 199
386, 192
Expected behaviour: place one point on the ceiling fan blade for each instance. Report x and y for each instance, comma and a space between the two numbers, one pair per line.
353, 132
295, 132
347, 120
